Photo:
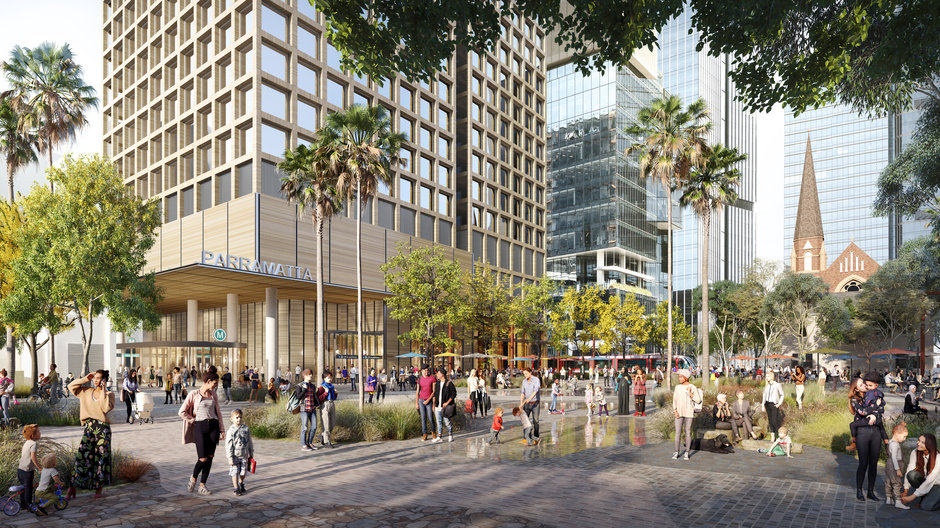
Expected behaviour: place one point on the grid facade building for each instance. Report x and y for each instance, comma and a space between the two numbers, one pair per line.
691, 75
202, 98
606, 218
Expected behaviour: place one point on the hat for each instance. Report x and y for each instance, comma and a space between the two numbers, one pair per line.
873, 377
685, 373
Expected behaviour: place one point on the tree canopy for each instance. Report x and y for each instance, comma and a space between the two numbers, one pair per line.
802, 53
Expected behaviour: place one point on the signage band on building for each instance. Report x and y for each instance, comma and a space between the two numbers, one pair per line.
223, 260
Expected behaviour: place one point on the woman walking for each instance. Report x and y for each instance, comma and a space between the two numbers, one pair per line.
129, 393
380, 388
472, 393
93, 459
799, 378
371, 381
771, 402
202, 425
639, 392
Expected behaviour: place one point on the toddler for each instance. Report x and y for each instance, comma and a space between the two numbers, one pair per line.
781, 445
526, 426
600, 400
868, 407
47, 476
589, 400
239, 450
894, 478
497, 425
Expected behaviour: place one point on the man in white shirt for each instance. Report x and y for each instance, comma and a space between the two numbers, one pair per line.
354, 375
297, 374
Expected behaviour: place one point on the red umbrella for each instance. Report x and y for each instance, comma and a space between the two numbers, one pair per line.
779, 356
895, 352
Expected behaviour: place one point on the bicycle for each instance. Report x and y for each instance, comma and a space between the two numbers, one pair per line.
11, 505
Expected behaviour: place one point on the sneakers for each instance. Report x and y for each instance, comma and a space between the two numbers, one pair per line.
204, 491
901, 505
675, 456
313, 447
685, 456
306, 448
437, 439
450, 438
241, 488
191, 486
237, 492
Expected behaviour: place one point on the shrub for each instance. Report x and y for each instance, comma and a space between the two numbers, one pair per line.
241, 393
65, 413
131, 469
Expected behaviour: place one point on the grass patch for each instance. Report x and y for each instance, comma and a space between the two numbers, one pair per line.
399, 421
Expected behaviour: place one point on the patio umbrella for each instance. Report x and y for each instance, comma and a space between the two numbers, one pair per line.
522, 359
826, 350
779, 356
448, 354
743, 357
412, 355
895, 352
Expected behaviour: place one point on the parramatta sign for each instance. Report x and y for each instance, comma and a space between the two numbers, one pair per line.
223, 260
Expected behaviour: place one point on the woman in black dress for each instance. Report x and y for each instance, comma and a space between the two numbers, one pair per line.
623, 393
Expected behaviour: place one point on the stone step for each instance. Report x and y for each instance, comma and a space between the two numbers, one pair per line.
712, 433
754, 445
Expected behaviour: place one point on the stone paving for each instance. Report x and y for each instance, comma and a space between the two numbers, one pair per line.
602, 472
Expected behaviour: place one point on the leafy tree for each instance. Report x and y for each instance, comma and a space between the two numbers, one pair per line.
870, 53
48, 91
795, 301
487, 306
362, 151
628, 324
891, 304
729, 325
312, 185
18, 147
672, 142
711, 184
92, 236
426, 286
659, 331
834, 320
11, 223
531, 308
764, 324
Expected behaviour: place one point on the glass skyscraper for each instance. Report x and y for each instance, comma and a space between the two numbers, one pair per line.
606, 219
849, 152
690, 75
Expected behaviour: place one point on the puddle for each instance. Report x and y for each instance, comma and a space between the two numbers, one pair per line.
562, 436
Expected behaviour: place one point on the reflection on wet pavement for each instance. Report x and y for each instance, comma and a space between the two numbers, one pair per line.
560, 437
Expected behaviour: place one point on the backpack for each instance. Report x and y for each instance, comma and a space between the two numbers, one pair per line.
293, 403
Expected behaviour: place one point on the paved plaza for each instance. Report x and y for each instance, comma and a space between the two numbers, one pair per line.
599, 473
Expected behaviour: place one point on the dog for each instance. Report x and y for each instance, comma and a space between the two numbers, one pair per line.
720, 444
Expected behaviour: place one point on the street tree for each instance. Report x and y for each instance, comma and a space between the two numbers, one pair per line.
628, 323
795, 302
311, 184
363, 150
671, 141
531, 308
11, 223
712, 183
426, 285
487, 306
729, 327
659, 331
92, 236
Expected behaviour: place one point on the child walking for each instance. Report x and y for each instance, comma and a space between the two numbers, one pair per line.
497, 425
526, 426
239, 450
589, 400
601, 400
894, 478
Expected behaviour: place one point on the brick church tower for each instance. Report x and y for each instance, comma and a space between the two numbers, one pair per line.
809, 253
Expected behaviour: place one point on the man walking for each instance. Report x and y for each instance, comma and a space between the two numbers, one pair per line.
529, 399
354, 374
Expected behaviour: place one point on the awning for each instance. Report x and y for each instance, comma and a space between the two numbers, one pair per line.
181, 344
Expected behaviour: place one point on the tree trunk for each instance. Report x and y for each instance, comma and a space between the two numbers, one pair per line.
668, 286
10, 174
11, 353
86, 341
706, 352
359, 343
321, 355
33, 354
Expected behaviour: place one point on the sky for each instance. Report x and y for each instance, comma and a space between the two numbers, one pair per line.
78, 23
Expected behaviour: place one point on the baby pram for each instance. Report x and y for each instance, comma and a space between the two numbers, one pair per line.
143, 408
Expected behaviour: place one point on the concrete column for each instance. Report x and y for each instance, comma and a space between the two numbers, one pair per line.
231, 328
193, 332
599, 263
270, 333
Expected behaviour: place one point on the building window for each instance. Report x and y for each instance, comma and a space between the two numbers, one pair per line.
244, 179
307, 79
188, 201
273, 23
171, 207
223, 187
335, 93
205, 194
273, 140
273, 101
274, 62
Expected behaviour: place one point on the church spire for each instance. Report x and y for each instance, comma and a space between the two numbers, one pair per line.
808, 217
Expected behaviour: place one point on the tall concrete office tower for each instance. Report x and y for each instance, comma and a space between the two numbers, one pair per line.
201, 99
690, 75
606, 221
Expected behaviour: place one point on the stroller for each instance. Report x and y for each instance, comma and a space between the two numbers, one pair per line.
143, 408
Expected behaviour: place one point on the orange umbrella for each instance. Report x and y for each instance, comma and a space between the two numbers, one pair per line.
895, 352
779, 356
743, 357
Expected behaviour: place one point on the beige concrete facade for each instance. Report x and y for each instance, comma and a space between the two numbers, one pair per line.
201, 98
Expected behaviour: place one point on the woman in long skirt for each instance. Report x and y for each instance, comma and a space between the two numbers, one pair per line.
93, 459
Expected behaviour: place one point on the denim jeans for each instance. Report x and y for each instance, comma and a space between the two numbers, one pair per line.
930, 501
228, 393
532, 410
308, 426
554, 402
424, 410
442, 421
5, 404
177, 388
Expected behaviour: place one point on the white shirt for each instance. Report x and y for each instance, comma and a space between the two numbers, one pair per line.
45, 478
932, 479
773, 393
297, 369
472, 382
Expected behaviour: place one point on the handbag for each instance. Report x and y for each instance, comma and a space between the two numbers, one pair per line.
449, 411
252, 464
486, 401
468, 406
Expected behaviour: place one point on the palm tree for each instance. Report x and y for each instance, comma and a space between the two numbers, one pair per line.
363, 150
48, 91
673, 140
311, 185
712, 184
18, 148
